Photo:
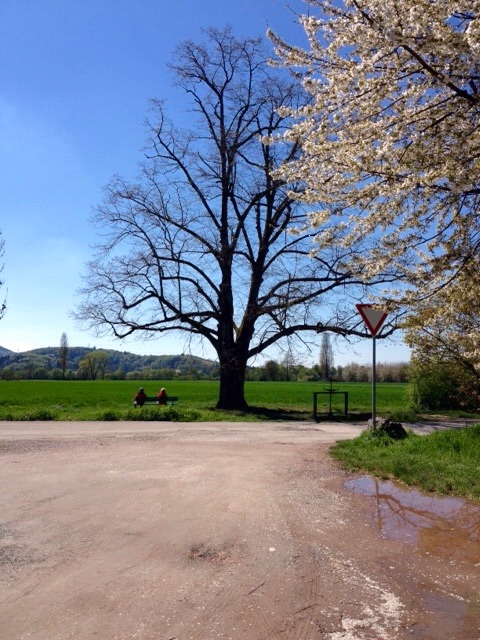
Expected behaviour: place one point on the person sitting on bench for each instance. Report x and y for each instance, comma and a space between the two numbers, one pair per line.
140, 398
162, 396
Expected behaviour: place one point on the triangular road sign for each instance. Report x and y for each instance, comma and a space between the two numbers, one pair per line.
373, 318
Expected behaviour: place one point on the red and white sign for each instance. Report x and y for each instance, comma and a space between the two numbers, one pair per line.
373, 318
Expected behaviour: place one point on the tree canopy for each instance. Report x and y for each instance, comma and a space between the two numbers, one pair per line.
391, 140
92, 365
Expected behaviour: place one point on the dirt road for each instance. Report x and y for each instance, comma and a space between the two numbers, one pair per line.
123, 531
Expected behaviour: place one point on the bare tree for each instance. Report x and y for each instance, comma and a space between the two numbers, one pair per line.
200, 244
63, 353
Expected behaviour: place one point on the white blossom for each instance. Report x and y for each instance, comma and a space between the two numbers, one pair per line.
391, 139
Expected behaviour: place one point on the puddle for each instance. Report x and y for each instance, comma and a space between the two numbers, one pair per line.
443, 527
446, 618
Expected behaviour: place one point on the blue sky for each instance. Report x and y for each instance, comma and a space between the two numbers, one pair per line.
75, 80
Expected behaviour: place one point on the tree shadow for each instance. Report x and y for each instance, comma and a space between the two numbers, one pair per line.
299, 415
279, 414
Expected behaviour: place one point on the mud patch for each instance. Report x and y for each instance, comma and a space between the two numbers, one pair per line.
13, 555
214, 555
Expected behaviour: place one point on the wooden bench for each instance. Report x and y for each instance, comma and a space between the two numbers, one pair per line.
170, 400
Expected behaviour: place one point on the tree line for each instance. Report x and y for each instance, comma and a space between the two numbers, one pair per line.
353, 372
82, 363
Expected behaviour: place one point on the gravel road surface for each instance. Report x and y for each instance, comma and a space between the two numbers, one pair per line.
207, 531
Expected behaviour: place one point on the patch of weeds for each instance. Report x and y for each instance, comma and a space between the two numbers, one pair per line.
156, 414
170, 414
40, 414
404, 416
110, 416
377, 438
143, 414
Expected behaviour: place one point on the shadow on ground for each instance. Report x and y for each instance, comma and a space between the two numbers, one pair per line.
291, 415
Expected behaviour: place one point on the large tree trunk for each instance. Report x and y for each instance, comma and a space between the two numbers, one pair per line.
232, 382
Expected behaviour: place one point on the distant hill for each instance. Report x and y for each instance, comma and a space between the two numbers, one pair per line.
29, 363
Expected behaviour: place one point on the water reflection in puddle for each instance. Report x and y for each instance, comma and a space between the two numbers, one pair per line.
441, 526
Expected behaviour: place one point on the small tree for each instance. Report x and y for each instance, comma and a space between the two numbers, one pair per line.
274, 371
92, 365
63, 353
289, 363
436, 386
326, 357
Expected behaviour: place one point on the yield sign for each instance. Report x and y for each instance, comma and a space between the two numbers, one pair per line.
373, 318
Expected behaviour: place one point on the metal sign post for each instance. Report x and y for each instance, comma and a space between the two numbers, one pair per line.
374, 382
374, 319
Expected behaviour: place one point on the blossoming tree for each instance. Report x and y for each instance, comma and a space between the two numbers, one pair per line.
391, 139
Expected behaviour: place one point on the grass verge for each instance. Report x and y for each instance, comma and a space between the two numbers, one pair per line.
444, 462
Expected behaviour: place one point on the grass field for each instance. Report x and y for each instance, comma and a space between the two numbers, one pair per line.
112, 400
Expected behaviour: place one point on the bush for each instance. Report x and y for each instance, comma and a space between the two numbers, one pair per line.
110, 416
442, 386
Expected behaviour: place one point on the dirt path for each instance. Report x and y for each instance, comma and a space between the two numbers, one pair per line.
206, 532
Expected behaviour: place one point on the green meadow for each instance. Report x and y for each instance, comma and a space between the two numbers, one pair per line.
112, 400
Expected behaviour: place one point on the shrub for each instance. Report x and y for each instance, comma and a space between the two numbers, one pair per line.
442, 386
110, 416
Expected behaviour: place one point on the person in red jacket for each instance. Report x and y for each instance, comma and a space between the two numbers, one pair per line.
162, 396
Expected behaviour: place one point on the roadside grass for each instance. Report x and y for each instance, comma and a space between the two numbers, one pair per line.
112, 400
444, 462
